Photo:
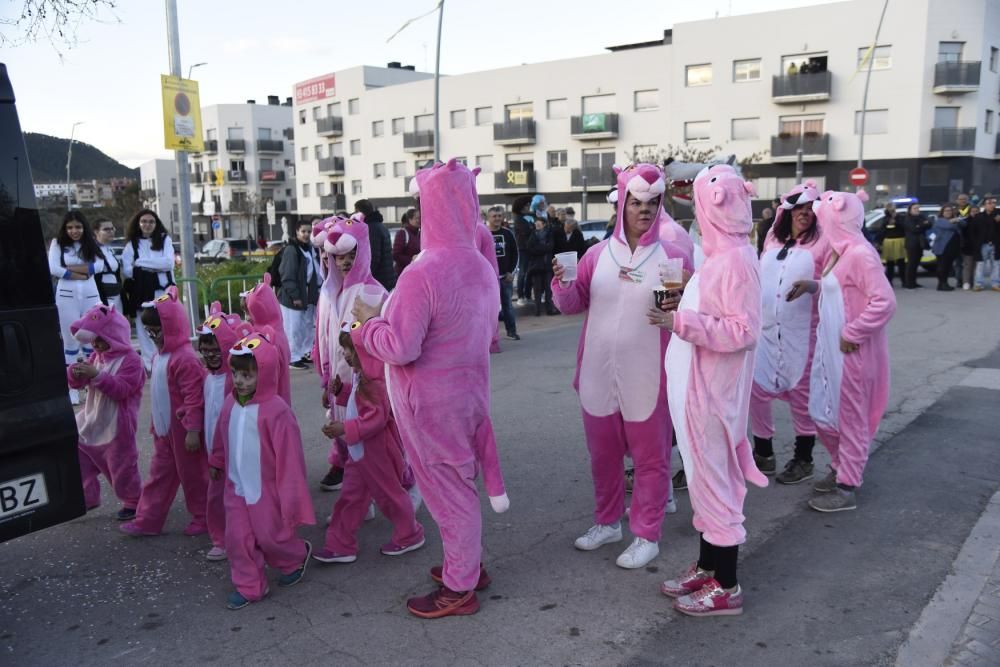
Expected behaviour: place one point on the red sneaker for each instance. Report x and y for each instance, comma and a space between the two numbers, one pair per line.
129, 528
689, 582
444, 602
482, 584
195, 528
711, 600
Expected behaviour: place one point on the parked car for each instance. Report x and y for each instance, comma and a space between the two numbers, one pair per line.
875, 222
593, 229
221, 250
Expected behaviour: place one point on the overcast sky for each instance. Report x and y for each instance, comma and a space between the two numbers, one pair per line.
110, 78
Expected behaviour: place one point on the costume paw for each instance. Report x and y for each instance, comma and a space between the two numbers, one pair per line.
500, 504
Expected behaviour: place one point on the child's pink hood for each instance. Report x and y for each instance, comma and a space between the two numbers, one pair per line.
110, 325
227, 329
262, 304
174, 319
338, 236
261, 346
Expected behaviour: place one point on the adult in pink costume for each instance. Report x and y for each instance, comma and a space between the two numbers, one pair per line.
264, 310
709, 366
487, 248
107, 422
178, 408
266, 495
619, 374
789, 316
227, 329
850, 373
434, 332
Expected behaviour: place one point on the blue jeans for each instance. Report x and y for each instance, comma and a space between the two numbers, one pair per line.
506, 307
988, 268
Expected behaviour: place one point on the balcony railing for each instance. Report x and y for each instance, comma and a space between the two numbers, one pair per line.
236, 145
953, 139
521, 131
814, 147
281, 206
211, 145
331, 165
272, 176
807, 87
957, 77
332, 203
236, 176
594, 126
596, 177
270, 145
418, 142
514, 180
331, 126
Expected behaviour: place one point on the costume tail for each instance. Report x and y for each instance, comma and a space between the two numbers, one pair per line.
744, 457
489, 462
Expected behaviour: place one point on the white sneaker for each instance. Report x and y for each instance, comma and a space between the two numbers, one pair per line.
598, 536
671, 506
966, 287
522, 302
216, 554
74, 396
371, 512
415, 497
638, 554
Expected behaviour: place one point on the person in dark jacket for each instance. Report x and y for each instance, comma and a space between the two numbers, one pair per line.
524, 225
539, 266
381, 244
985, 229
893, 245
969, 247
406, 245
763, 227
915, 227
946, 245
506, 248
299, 293
573, 237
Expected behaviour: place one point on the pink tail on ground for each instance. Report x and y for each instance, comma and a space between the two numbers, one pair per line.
489, 462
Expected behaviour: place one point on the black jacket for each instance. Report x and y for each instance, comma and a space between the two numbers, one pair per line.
891, 227
539, 251
983, 229
914, 229
294, 286
575, 242
506, 248
381, 245
524, 226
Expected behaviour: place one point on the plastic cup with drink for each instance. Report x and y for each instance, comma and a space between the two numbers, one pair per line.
671, 280
567, 260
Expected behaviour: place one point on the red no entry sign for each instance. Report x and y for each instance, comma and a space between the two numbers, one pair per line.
859, 176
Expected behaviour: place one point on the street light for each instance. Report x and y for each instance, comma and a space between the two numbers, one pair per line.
69, 157
193, 66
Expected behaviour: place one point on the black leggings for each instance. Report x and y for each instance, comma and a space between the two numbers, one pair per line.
914, 251
541, 283
719, 560
945, 261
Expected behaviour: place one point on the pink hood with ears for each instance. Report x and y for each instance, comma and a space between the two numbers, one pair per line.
803, 193
108, 324
339, 236
722, 208
262, 304
226, 328
840, 216
260, 344
645, 182
449, 205
174, 320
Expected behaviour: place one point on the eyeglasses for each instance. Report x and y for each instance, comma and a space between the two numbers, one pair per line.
783, 253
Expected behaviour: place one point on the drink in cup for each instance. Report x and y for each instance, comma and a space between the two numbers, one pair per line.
568, 261
371, 295
672, 273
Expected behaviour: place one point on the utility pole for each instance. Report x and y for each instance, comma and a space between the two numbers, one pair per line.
69, 158
437, 87
183, 179
583, 204
868, 79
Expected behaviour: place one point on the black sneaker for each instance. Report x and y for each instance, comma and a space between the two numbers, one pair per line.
513, 336
298, 365
680, 481
333, 480
766, 464
795, 471
125, 514
306, 359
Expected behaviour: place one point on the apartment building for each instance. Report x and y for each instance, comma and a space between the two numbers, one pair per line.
767, 84
158, 192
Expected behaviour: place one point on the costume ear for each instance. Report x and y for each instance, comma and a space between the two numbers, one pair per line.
617, 169
810, 183
216, 308
839, 202
475, 171
862, 195
749, 188
172, 291
267, 279
452, 164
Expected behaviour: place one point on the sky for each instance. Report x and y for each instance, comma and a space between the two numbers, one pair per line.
109, 78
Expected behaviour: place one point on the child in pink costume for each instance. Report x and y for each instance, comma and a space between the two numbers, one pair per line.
435, 335
107, 423
850, 372
215, 337
788, 332
259, 452
375, 463
178, 413
264, 310
709, 366
619, 374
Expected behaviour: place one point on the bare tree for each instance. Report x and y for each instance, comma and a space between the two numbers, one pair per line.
54, 20
250, 207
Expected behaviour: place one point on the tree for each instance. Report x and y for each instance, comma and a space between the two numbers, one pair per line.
127, 203
54, 20
249, 206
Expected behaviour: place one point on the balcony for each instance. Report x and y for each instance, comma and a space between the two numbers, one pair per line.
947, 141
514, 180
271, 176
211, 145
281, 206
236, 176
418, 142
815, 147
236, 145
332, 203
149, 193
208, 177
331, 166
957, 77
331, 126
798, 88
270, 145
514, 132
592, 177
594, 126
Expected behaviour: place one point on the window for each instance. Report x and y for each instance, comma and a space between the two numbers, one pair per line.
598, 104
337, 149
521, 162
697, 130
745, 128
317, 152
305, 189
598, 159
378, 128
457, 119
213, 165
211, 134
485, 163
988, 125
881, 57
355, 187
320, 190
746, 70
933, 174
237, 165
698, 75
464, 160
354, 106
355, 147
647, 100
302, 116
484, 115
316, 113
517, 112
398, 169
556, 159
556, 109
397, 125
234, 133
876, 121
994, 59
950, 52
423, 123
945, 116
803, 63
266, 164
264, 133
379, 170
333, 110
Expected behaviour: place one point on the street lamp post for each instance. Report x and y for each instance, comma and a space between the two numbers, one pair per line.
191, 68
69, 158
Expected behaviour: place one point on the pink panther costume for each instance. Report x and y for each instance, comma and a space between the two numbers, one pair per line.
264, 310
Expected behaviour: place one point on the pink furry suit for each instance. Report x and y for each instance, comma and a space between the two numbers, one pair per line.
177, 406
788, 328
487, 248
264, 310
710, 359
375, 466
434, 333
619, 376
227, 329
849, 392
259, 448
107, 422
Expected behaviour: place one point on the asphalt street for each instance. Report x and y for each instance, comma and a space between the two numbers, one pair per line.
840, 590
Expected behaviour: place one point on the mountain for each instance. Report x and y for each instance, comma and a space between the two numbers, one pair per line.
48, 160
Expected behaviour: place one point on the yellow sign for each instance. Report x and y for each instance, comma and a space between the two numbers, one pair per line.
181, 115
517, 178
220, 176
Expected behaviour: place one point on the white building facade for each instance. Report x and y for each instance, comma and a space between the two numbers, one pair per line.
158, 191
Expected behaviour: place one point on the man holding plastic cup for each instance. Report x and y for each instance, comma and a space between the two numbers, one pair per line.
620, 376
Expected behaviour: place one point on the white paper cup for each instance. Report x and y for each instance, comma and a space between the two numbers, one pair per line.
568, 261
371, 295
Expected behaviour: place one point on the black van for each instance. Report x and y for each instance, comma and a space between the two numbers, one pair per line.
39, 470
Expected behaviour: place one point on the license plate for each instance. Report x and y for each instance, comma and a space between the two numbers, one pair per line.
26, 494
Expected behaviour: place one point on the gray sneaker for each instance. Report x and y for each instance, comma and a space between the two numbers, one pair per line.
827, 484
795, 471
835, 501
766, 464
